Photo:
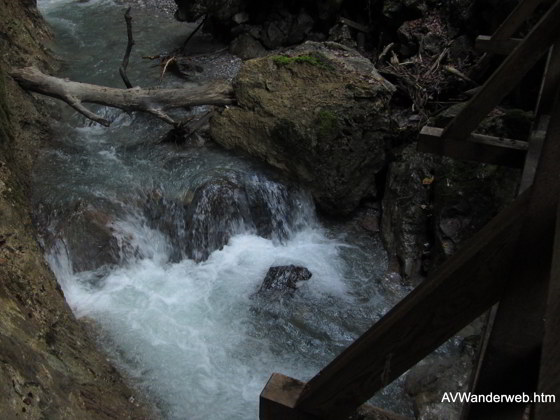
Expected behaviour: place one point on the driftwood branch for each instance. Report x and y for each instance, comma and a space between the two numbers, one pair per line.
193, 33
124, 65
152, 101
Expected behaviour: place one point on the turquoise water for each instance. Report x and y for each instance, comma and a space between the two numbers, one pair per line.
190, 335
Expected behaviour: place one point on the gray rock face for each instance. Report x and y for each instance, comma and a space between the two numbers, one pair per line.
89, 240
432, 204
406, 210
283, 280
318, 113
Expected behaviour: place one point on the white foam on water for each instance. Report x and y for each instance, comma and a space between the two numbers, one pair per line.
189, 333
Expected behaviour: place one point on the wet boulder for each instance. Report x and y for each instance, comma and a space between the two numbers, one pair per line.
226, 205
89, 239
217, 210
319, 113
283, 280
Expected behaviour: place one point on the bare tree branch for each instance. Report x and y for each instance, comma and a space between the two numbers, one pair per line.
153, 101
124, 65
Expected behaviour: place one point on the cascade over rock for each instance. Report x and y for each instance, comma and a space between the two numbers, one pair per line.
333, 140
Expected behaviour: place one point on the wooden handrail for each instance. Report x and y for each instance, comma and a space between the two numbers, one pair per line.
507, 76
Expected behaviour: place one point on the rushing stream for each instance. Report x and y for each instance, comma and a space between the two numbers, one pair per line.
133, 230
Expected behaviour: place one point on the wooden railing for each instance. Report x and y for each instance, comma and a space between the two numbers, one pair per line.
509, 261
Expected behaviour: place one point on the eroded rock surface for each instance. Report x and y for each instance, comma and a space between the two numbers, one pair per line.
49, 366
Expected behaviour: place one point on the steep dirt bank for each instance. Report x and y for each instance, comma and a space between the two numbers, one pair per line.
49, 366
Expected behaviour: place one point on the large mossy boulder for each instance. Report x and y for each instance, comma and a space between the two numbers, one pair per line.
319, 113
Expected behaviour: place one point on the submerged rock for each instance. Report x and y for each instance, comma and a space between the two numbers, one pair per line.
319, 113
224, 206
218, 209
283, 280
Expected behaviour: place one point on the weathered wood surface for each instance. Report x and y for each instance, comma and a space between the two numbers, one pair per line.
549, 376
153, 101
463, 288
477, 147
550, 83
279, 397
507, 76
489, 44
511, 363
509, 26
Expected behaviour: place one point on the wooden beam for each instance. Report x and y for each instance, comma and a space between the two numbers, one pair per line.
516, 18
549, 374
551, 80
536, 141
279, 397
507, 76
477, 147
488, 44
509, 26
550, 83
463, 288
510, 365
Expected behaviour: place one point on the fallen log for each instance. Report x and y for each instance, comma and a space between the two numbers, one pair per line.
152, 101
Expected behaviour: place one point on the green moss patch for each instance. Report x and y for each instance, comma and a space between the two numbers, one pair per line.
327, 123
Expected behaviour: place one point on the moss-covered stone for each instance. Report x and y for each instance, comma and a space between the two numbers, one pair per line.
327, 129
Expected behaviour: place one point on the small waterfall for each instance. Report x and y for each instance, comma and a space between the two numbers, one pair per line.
164, 247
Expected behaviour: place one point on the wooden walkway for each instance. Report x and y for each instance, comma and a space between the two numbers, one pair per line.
514, 261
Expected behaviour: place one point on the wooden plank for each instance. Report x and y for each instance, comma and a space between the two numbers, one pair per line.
551, 80
477, 147
463, 288
278, 398
509, 26
516, 18
536, 142
489, 44
507, 76
510, 365
549, 375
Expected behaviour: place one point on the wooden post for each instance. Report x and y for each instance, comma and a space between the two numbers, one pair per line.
549, 375
477, 147
510, 365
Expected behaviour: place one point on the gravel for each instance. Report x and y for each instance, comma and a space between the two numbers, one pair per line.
167, 7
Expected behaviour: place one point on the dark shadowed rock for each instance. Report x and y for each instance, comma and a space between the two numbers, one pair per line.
283, 280
89, 240
246, 47
333, 139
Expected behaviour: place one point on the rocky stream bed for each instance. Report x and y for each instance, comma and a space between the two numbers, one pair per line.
267, 240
